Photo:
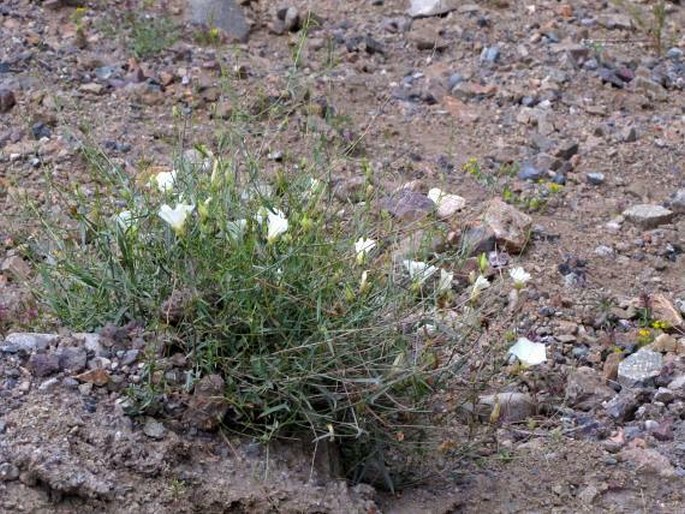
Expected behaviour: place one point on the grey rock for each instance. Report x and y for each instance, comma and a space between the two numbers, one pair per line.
49, 384
639, 368
677, 383
664, 395
490, 55
72, 360
223, 14
628, 135
477, 239
129, 357
530, 172
586, 388
28, 342
291, 18
622, 407
675, 54
408, 205
154, 429
595, 178
649, 87
566, 150
92, 343
677, 201
8, 472
455, 78
648, 461
648, 216
604, 251
420, 8
513, 406
43, 364
7, 100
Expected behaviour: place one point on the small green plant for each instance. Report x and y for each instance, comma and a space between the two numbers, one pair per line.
210, 36
78, 19
473, 168
644, 336
149, 35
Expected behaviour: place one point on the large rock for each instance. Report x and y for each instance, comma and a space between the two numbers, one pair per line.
420, 8
664, 310
585, 389
511, 226
28, 342
223, 14
648, 216
640, 368
648, 461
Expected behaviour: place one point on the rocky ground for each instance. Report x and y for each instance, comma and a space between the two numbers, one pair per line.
570, 115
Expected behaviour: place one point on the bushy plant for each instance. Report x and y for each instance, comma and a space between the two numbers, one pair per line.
264, 280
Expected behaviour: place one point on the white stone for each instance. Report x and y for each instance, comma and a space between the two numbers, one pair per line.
420, 8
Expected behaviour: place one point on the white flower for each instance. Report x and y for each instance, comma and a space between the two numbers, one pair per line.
276, 224
236, 229
165, 180
528, 352
125, 220
177, 216
519, 276
419, 271
445, 282
363, 247
480, 284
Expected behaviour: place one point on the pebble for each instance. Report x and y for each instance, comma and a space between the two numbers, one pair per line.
8, 472
677, 201
595, 178
530, 172
490, 55
675, 54
7, 100
604, 251
154, 429
40, 130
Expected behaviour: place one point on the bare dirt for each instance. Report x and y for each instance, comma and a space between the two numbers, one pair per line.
393, 86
